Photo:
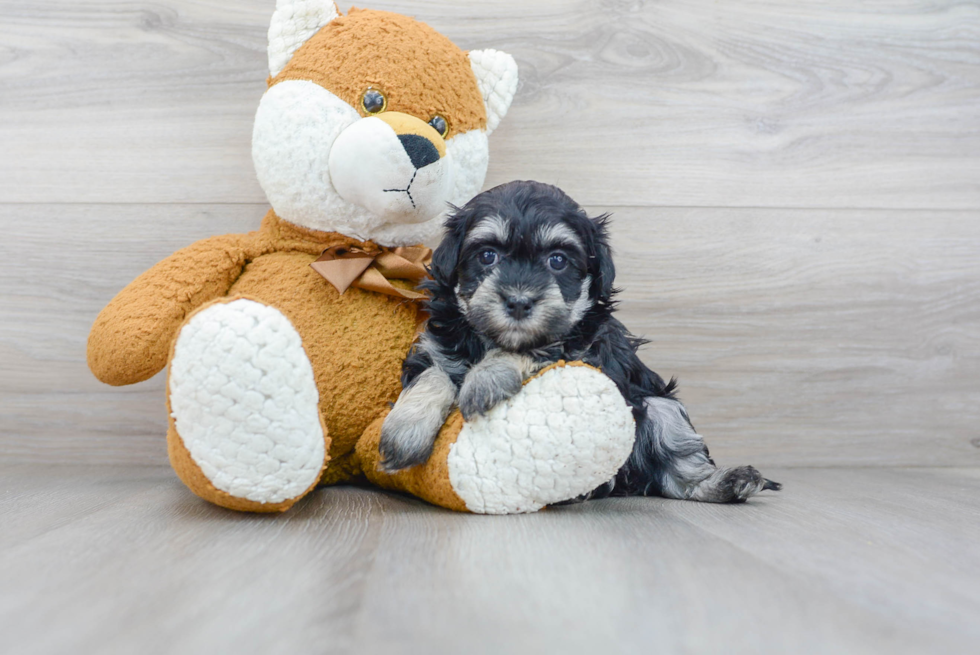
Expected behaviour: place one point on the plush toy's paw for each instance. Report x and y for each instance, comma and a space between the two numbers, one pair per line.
564, 434
246, 430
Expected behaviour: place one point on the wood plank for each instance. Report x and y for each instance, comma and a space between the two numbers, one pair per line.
863, 561
918, 527
161, 571
816, 338
681, 103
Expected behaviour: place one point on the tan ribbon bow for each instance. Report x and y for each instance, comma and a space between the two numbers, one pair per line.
373, 266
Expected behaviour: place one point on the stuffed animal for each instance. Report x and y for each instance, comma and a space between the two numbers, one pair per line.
285, 344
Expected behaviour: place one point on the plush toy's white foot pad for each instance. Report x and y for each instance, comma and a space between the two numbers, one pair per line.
567, 432
244, 402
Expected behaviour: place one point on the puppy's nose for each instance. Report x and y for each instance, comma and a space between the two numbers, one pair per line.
420, 150
518, 306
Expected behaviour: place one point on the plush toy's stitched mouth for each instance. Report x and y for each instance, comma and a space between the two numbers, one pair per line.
407, 190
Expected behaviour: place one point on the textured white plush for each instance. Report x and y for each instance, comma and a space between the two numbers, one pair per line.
566, 433
496, 75
293, 23
244, 401
296, 128
470, 153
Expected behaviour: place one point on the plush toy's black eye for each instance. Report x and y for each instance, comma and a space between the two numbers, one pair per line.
373, 101
488, 257
440, 125
557, 261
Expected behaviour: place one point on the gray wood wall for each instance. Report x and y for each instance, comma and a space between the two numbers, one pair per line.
796, 191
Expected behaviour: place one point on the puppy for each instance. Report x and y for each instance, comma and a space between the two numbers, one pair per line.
522, 279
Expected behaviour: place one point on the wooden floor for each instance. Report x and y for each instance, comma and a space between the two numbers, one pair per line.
796, 197
125, 560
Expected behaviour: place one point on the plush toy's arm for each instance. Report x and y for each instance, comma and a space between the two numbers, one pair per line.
565, 433
130, 340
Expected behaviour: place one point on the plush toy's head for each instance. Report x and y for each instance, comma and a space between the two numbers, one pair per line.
373, 122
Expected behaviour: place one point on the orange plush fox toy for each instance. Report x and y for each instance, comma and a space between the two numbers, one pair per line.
285, 344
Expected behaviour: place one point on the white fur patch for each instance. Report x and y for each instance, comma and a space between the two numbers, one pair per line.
292, 25
489, 228
583, 303
244, 401
556, 235
567, 432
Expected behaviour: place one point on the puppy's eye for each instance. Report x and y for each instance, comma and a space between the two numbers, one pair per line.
557, 261
373, 101
440, 125
488, 257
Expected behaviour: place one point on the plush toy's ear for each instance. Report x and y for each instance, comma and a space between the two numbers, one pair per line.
294, 22
496, 75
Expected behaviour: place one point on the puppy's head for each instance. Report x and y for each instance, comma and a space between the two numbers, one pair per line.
525, 264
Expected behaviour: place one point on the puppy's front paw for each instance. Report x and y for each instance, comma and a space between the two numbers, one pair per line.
407, 438
483, 388
411, 428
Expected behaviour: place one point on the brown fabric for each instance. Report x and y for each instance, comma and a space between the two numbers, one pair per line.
429, 481
344, 468
396, 55
130, 339
373, 269
355, 342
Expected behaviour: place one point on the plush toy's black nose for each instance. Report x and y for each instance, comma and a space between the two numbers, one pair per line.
518, 306
420, 150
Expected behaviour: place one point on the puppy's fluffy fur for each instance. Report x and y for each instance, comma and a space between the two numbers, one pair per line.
522, 279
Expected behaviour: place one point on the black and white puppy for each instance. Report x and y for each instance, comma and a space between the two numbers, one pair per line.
522, 279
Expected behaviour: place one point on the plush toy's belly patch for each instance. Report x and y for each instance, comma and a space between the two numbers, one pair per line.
356, 342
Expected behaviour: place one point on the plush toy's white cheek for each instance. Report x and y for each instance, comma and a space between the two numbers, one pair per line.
370, 167
295, 127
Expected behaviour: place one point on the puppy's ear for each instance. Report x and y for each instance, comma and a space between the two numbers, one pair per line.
601, 266
445, 258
